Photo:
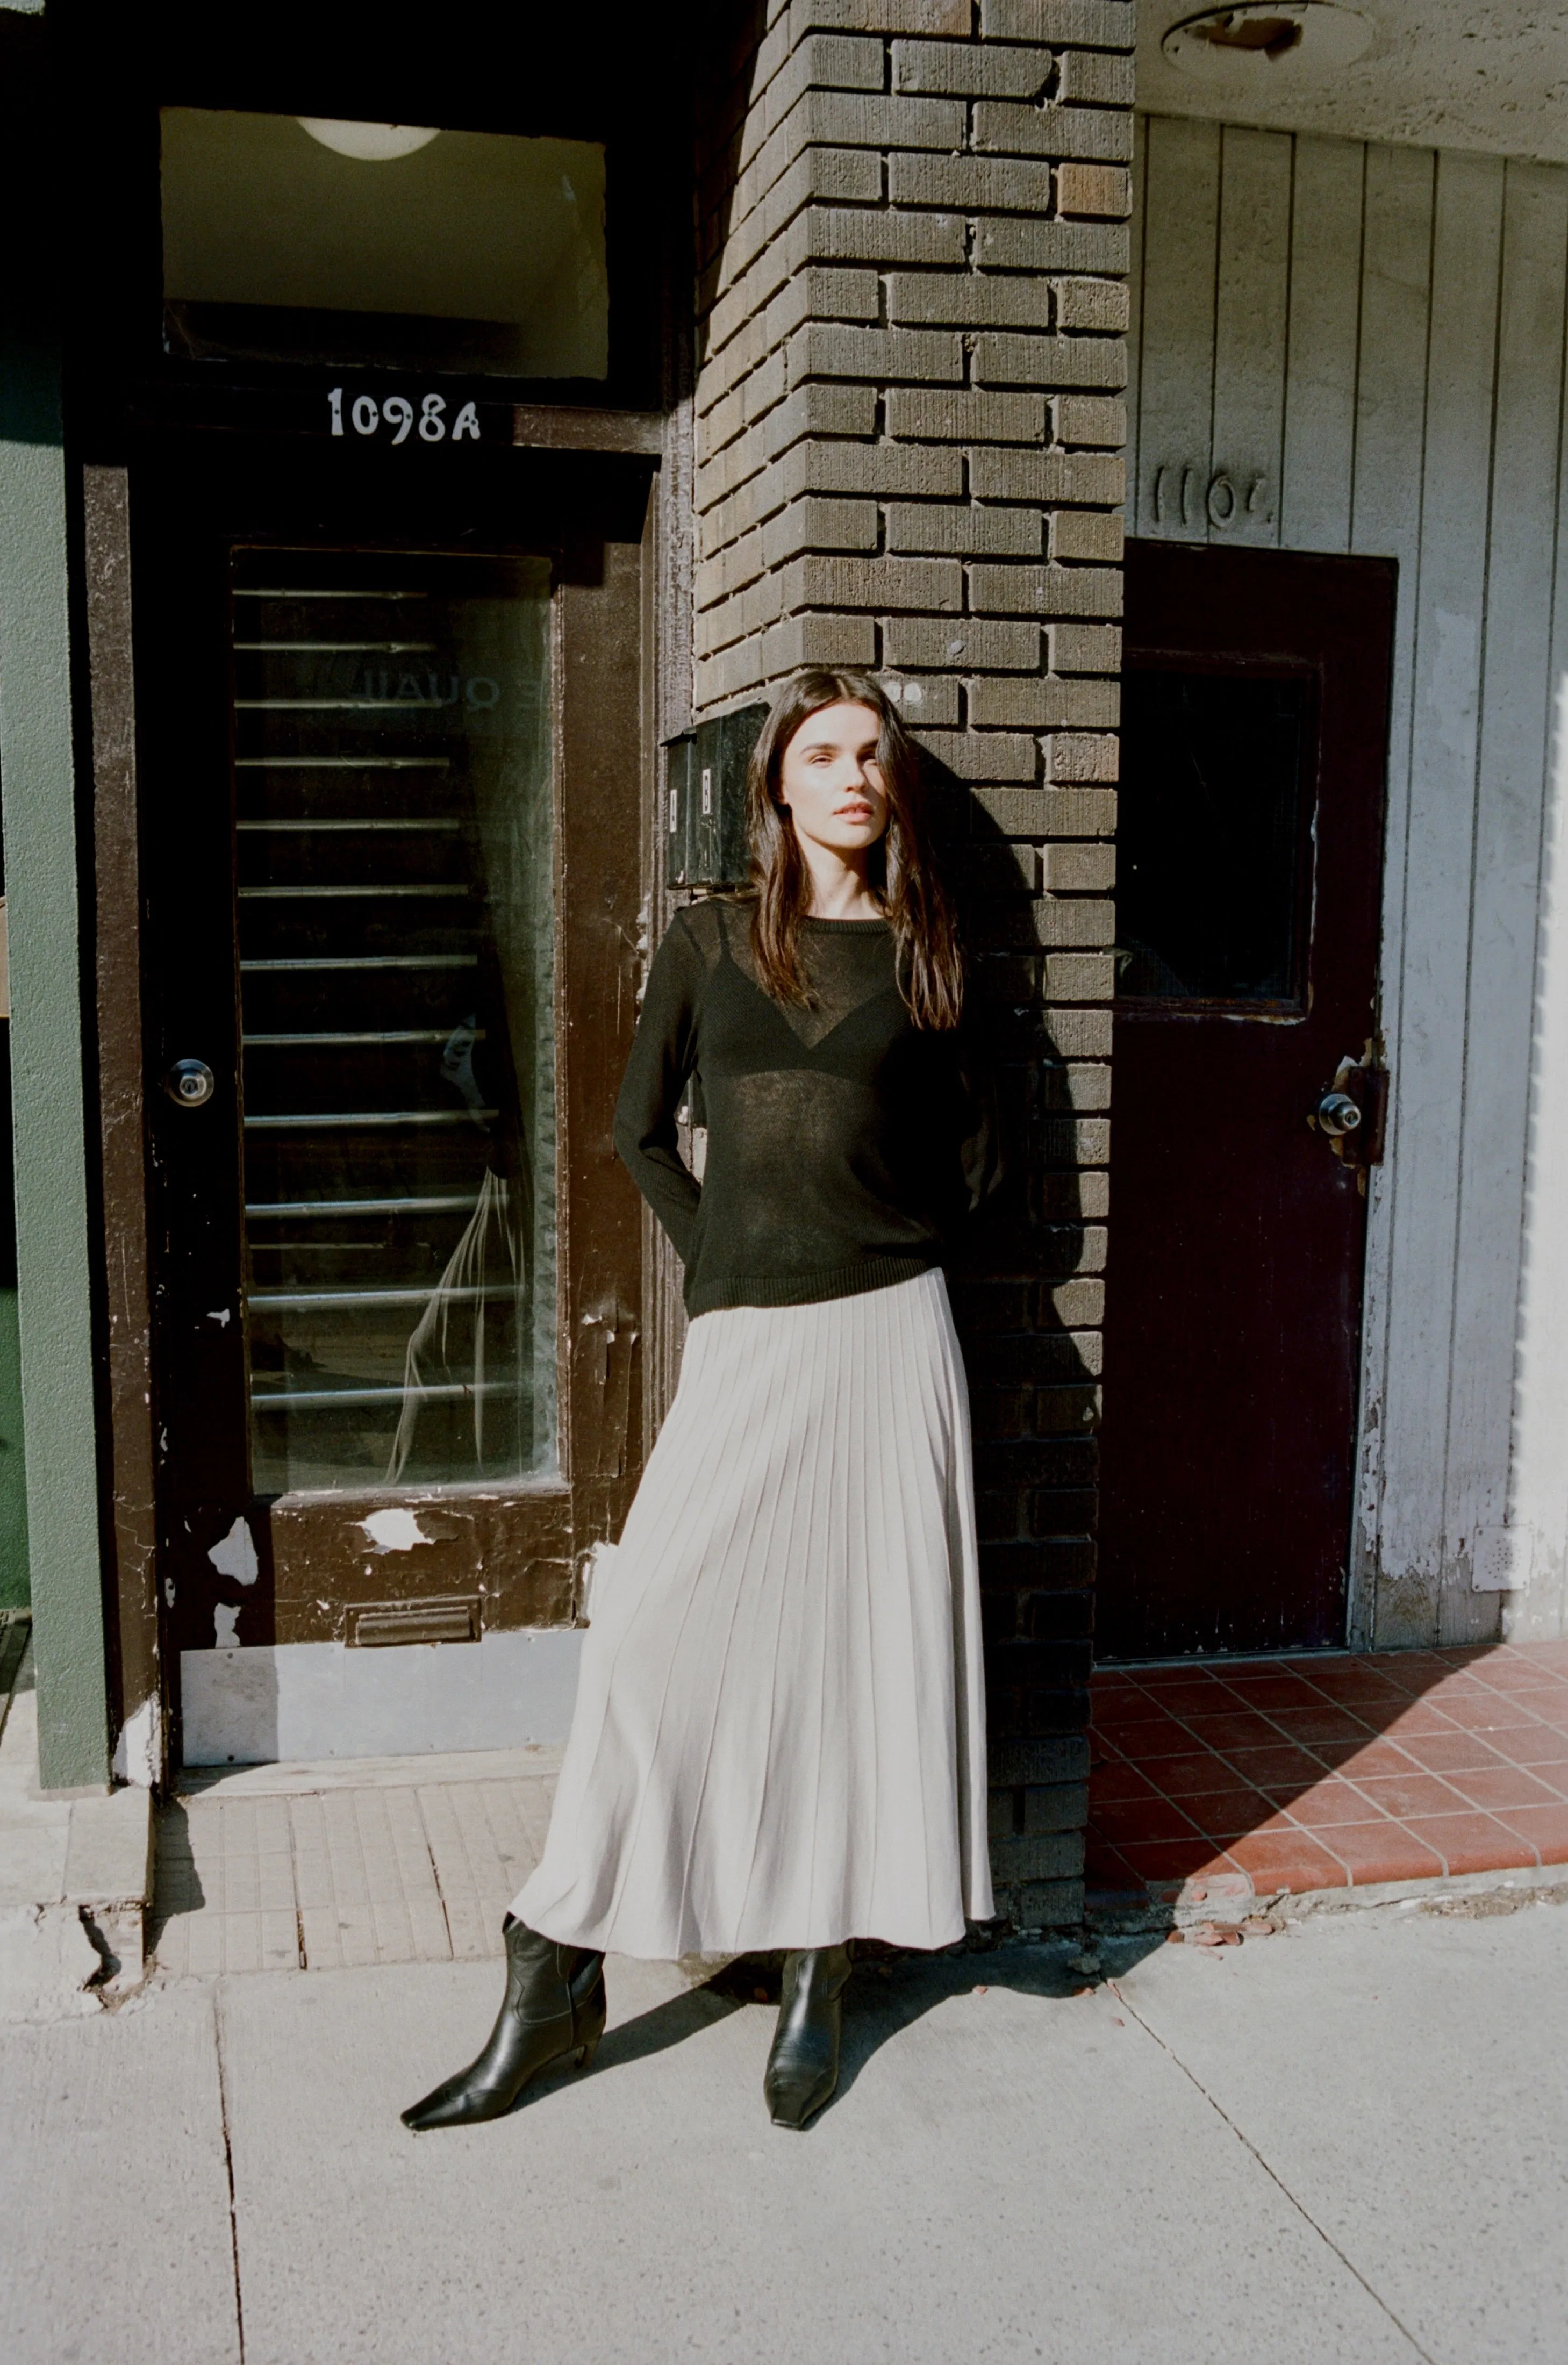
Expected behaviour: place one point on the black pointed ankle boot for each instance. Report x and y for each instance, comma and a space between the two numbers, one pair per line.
802, 2069
553, 2005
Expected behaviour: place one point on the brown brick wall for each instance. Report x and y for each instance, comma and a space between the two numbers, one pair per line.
911, 250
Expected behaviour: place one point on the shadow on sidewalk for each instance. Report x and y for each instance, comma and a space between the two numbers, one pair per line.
887, 1994
1331, 1770
178, 1888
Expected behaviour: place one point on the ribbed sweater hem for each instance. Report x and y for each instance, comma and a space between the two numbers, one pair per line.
811, 1288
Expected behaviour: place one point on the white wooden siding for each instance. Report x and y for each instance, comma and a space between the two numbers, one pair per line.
1340, 347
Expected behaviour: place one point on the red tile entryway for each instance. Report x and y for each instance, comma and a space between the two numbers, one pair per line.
1328, 1771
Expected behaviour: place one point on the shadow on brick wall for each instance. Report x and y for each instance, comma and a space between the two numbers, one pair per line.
728, 34
1028, 1316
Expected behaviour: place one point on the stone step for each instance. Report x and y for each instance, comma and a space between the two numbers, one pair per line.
76, 1881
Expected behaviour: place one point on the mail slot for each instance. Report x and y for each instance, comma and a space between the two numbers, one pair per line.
705, 800
374, 1624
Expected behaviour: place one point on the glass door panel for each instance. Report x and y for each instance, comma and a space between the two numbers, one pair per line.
392, 788
395, 885
1214, 839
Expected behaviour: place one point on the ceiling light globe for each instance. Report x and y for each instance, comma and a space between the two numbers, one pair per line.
368, 143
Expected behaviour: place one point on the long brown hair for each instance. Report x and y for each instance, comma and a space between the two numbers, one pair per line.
901, 874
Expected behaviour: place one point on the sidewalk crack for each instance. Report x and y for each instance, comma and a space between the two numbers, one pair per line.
229, 2171
435, 1874
1272, 2174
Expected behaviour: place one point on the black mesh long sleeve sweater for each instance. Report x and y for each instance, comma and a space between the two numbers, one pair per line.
845, 1145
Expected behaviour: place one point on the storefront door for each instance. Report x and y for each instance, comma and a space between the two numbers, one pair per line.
391, 763
1248, 890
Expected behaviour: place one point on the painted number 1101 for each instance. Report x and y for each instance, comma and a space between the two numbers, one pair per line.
396, 415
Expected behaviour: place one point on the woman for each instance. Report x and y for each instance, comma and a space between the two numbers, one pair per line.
778, 1739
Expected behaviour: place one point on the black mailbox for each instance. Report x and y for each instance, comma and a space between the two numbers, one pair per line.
705, 800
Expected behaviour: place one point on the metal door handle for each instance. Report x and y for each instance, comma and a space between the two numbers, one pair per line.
190, 1083
1338, 1114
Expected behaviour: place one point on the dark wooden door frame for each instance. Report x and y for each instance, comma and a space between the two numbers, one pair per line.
604, 1431
128, 1518
1269, 613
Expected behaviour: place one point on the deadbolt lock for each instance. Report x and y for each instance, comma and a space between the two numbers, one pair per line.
190, 1083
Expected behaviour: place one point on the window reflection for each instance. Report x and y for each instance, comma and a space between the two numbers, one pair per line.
396, 922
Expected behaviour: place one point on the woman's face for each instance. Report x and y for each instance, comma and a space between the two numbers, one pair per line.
832, 782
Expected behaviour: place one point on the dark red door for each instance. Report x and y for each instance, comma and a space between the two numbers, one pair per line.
1248, 878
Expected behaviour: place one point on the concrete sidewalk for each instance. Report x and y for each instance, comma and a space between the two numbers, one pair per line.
75, 1868
1348, 2144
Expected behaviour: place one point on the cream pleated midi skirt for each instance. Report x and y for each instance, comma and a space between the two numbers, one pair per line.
779, 1732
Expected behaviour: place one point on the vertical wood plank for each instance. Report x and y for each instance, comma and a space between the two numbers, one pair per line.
1180, 228
1515, 695
1429, 1060
1135, 312
1383, 410
121, 1064
1324, 334
1251, 311
1385, 513
1386, 521
1540, 1473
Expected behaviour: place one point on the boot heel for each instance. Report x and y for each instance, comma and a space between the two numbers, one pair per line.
586, 2054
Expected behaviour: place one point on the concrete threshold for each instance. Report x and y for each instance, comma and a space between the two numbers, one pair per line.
1226, 1903
75, 1882
296, 1780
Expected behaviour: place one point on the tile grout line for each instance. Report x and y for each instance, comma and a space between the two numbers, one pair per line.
1151, 1693
1198, 1741
228, 2167
1246, 2141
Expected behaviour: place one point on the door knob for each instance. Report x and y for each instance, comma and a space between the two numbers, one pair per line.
1337, 1115
190, 1083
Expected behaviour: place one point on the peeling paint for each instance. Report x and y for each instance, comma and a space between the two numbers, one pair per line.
138, 1752
225, 1625
219, 1314
610, 1344
394, 1531
235, 1556
593, 1566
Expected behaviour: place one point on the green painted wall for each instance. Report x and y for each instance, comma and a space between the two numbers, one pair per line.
14, 1587
54, 1325
15, 1592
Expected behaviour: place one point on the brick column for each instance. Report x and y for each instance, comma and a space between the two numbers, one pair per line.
911, 245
